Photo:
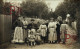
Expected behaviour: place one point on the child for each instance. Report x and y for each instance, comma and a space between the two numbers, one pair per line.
63, 29
43, 30
38, 37
31, 37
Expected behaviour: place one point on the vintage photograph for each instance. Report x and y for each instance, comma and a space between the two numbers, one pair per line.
39, 24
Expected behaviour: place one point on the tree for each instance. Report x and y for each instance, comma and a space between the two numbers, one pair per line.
34, 8
6, 8
1, 6
72, 7
68, 6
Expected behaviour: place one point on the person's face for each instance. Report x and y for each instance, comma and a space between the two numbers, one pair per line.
24, 18
51, 20
32, 21
47, 21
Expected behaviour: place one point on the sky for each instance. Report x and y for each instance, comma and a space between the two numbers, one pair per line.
52, 4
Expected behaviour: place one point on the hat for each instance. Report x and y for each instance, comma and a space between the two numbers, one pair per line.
32, 19
68, 15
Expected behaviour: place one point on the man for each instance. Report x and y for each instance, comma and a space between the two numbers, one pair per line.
32, 27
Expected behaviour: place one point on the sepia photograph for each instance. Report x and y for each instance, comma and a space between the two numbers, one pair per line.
39, 24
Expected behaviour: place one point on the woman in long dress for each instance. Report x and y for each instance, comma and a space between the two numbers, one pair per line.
18, 34
43, 30
59, 22
52, 31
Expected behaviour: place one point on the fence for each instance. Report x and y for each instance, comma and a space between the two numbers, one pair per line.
5, 28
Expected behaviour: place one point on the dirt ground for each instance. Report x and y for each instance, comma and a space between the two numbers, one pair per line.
44, 46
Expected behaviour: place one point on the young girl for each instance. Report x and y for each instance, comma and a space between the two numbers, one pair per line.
63, 29
38, 37
31, 37
43, 30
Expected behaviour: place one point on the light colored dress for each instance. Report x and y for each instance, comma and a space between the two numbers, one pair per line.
31, 37
18, 35
25, 23
63, 31
43, 30
52, 31
38, 37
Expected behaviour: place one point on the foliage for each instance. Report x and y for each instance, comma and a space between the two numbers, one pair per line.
1, 6
68, 6
34, 8
6, 8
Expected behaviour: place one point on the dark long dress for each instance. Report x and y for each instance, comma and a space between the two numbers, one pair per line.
58, 31
32, 26
47, 33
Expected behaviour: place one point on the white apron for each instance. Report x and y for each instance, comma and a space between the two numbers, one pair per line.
18, 35
43, 30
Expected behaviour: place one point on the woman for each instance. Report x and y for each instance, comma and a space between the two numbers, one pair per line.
59, 22
52, 31
18, 33
24, 27
43, 30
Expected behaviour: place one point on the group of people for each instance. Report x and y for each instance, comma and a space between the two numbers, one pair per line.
52, 31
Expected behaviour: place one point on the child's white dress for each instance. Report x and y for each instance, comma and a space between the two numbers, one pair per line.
31, 37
